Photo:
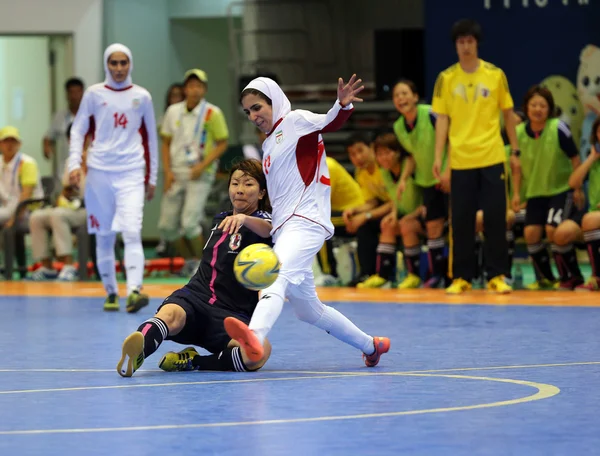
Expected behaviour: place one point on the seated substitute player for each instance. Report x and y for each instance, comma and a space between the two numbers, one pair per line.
194, 314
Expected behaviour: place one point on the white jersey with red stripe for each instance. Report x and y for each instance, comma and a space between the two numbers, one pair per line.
295, 167
123, 127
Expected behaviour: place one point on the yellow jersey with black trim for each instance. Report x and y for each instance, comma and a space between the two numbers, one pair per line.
345, 191
372, 185
473, 103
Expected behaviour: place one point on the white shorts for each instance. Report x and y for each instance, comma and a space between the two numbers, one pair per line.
114, 200
296, 244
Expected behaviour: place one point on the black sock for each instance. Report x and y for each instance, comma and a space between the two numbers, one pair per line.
229, 359
565, 258
478, 257
155, 331
386, 260
592, 240
541, 261
437, 261
412, 257
510, 240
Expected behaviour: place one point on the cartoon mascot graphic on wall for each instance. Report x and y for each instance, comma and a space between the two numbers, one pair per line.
588, 87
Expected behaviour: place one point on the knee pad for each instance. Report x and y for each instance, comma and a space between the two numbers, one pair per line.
106, 241
131, 237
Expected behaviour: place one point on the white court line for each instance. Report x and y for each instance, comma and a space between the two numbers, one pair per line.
544, 391
155, 385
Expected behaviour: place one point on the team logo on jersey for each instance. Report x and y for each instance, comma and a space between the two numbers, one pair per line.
234, 241
278, 136
136, 103
485, 92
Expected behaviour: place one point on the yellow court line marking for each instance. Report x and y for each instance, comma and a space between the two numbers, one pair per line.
545, 391
206, 382
456, 369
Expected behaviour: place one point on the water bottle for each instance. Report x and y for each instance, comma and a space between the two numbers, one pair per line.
518, 282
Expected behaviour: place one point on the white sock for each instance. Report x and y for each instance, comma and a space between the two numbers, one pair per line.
105, 258
268, 309
134, 260
343, 329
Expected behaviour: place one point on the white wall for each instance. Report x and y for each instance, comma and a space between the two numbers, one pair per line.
25, 91
81, 18
196, 9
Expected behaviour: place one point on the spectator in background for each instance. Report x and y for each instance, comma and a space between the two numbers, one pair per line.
55, 143
591, 220
405, 217
364, 220
548, 157
194, 136
345, 193
415, 130
174, 95
20, 178
469, 98
59, 221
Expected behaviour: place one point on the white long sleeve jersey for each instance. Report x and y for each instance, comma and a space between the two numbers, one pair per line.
123, 128
295, 167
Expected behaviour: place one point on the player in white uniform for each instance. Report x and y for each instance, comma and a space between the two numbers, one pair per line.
299, 188
121, 116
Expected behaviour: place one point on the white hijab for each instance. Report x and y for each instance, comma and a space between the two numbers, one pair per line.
109, 81
280, 104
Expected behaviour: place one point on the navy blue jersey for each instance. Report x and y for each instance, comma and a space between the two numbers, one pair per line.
214, 282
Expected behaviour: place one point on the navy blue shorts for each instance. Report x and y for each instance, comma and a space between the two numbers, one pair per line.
204, 322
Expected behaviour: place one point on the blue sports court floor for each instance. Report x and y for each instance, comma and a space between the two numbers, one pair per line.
482, 375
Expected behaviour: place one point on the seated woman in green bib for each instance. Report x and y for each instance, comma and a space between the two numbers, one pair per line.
590, 224
415, 130
548, 157
405, 219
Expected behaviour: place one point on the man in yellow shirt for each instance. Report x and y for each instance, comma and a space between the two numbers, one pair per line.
469, 97
19, 178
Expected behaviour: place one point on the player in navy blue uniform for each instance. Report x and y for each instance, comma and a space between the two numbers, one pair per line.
194, 314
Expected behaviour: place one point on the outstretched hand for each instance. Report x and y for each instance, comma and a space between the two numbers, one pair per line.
347, 92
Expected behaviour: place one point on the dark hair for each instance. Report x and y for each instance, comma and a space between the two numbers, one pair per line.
411, 85
390, 141
73, 82
194, 76
253, 168
358, 138
466, 27
545, 94
594, 134
175, 85
258, 93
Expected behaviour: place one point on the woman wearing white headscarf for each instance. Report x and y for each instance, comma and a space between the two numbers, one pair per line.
298, 184
120, 116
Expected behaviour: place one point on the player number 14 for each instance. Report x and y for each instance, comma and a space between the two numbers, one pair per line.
120, 120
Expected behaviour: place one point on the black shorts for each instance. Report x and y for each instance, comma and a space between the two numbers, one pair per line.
204, 322
550, 210
436, 203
